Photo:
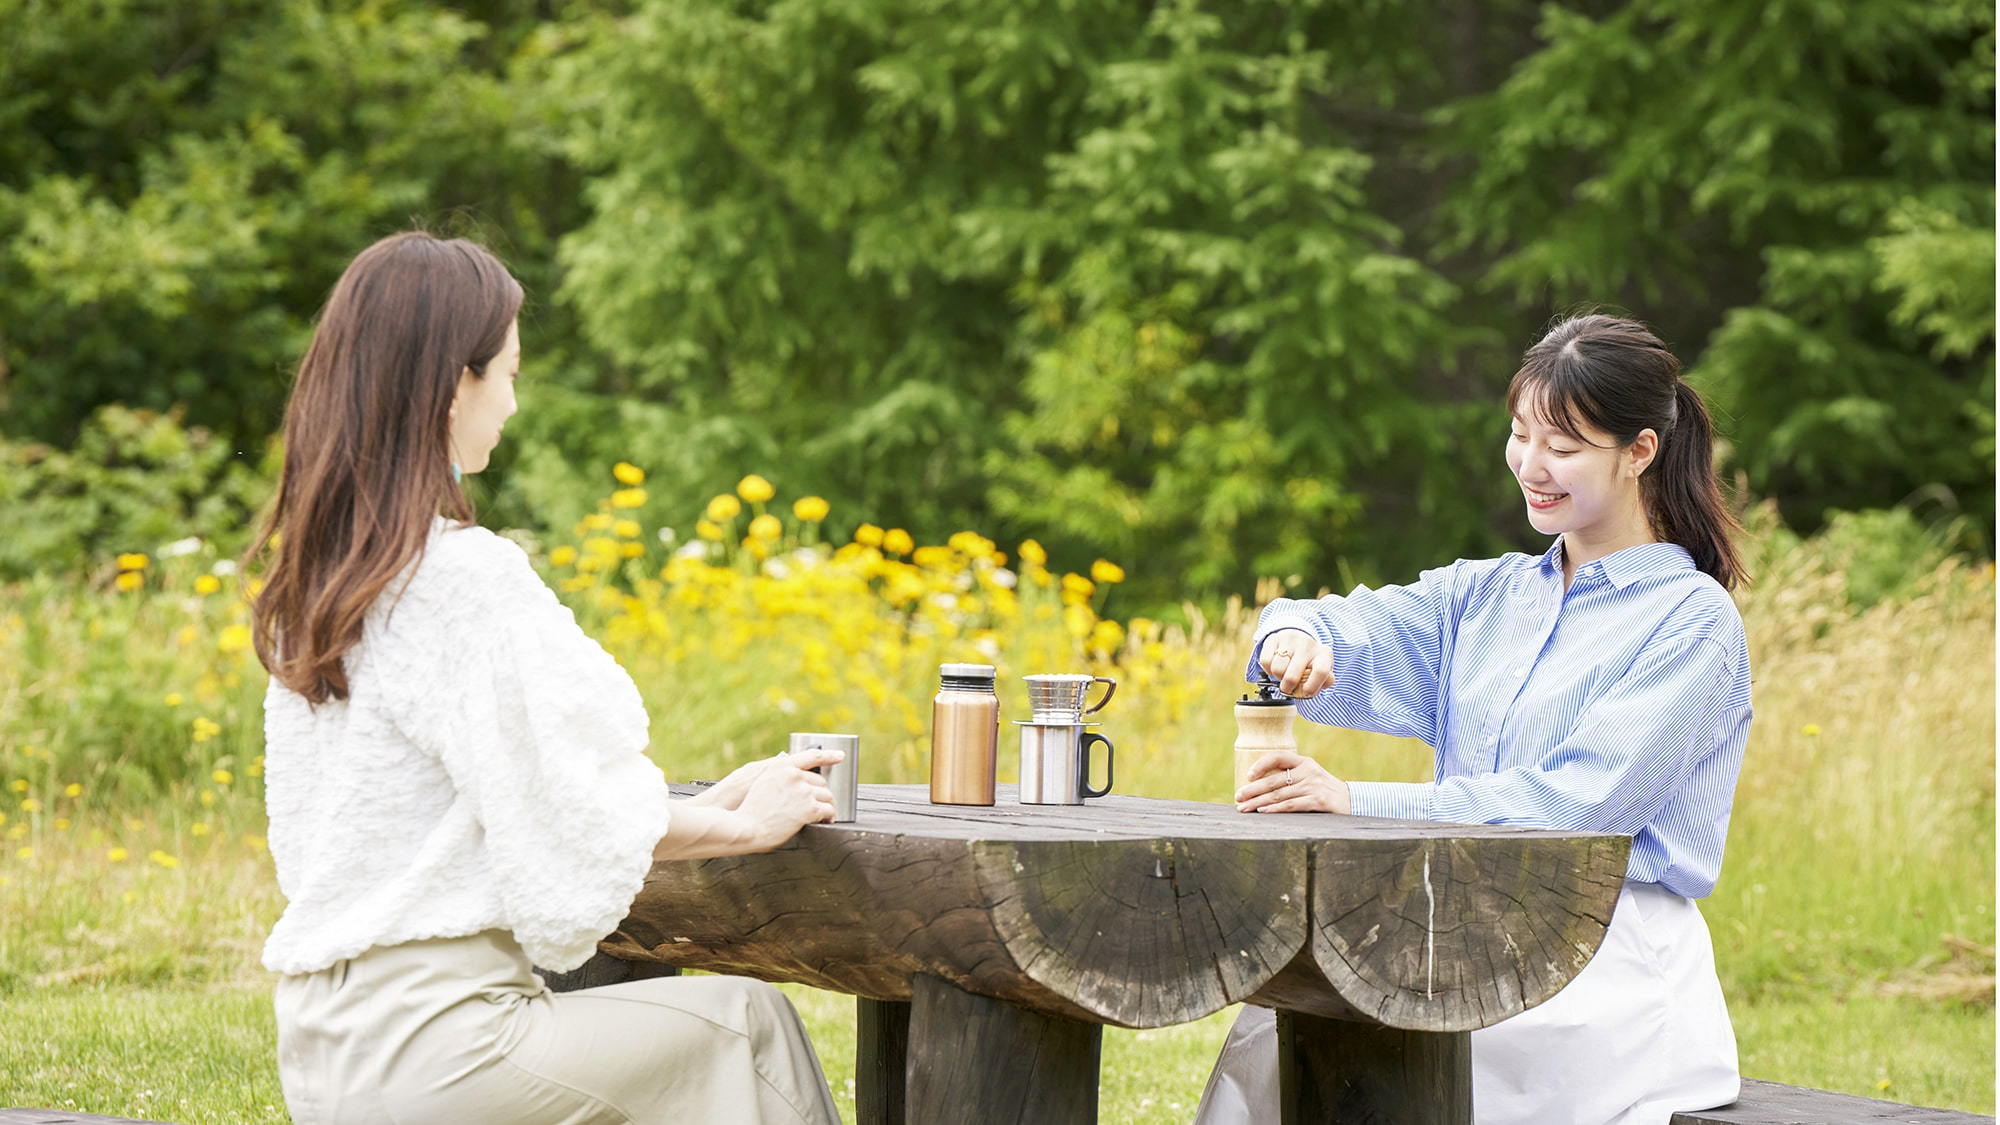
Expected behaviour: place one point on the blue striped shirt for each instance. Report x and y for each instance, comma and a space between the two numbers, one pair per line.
1620, 705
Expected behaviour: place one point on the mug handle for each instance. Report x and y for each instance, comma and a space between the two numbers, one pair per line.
1083, 764
1110, 689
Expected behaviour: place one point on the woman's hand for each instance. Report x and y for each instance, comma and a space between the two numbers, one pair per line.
728, 793
1287, 782
756, 808
1298, 661
785, 795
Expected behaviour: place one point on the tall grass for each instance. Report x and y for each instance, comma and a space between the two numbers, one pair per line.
1853, 923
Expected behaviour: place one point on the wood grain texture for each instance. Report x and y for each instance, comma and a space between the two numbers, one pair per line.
1770, 1103
1457, 934
881, 1060
1341, 1071
977, 1061
1146, 913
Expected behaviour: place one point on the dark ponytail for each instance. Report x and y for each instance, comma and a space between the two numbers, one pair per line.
1616, 376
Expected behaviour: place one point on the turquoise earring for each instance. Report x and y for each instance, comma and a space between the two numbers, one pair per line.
457, 474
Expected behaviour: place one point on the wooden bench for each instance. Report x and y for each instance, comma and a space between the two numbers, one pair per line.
1769, 1103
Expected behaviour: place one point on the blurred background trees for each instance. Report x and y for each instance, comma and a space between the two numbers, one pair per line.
1219, 290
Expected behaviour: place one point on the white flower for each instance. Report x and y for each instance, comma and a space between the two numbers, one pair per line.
180, 547
223, 568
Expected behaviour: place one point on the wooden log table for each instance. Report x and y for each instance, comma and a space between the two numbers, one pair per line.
989, 946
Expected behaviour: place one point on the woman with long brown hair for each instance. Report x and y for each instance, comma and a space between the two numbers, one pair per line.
456, 775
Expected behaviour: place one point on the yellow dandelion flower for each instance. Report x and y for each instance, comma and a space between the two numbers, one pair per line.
3, 818
708, 529
233, 639
198, 828
930, 557
222, 777
1810, 730
131, 580
1883, 1084
1032, 552
208, 798
133, 561
18, 785
186, 635
1106, 636
163, 859
896, 541
16, 832
256, 588
868, 535
118, 855
30, 805
72, 790
62, 824
766, 526
631, 550
628, 473
1077, 584
755, 489
131, 896
254, 842
811, 509
563, 555
629, 498
133, 824
597, 521
175, 699
257, 767
207, 584
205, 729
724, 508
1107, 572
626, 529
24, 853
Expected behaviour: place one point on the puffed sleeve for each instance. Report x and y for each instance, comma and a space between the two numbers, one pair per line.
1390, 647
543, 737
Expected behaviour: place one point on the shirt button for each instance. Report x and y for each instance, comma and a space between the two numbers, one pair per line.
1519, 672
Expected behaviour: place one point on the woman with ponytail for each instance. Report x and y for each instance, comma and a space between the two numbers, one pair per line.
1602, 686
456, 775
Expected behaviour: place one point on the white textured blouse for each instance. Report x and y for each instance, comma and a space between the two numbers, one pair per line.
487, 771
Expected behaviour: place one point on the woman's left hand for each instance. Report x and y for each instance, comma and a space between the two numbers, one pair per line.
728, 793
1287, 782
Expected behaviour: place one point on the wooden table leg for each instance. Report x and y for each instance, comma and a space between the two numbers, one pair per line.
986, 1062
1365, 1074
881, 1053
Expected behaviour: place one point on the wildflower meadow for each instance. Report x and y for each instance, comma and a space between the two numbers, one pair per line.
1854, 921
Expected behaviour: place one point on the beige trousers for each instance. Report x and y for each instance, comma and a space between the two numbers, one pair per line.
462, 1030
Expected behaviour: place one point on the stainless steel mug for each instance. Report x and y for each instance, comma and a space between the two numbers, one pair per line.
1058, 697
1055, 763
842, 776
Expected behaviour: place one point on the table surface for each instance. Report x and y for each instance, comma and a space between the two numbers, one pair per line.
1145, 912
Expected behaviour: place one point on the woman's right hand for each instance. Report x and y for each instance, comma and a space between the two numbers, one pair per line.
786, 795
1296, 659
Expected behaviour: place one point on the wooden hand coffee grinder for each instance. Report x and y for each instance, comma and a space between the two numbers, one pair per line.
1263, 724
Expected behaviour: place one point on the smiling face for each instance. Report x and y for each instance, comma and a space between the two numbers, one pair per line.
1583, 485
483, 404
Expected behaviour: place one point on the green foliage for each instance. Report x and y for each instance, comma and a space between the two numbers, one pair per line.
134, 481
1800, 194
1231, 291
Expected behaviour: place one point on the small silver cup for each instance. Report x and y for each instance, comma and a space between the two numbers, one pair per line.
1055, 763
1058, 697
842, 776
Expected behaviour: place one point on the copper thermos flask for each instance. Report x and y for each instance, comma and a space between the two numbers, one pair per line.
965, 735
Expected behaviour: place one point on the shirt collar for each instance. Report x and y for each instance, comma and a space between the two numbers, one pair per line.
1624, 567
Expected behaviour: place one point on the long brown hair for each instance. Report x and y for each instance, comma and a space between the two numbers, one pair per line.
367, 445
1616, 376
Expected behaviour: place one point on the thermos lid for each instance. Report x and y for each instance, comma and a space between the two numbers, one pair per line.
966, 671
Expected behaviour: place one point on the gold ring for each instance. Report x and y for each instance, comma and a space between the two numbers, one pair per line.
1285, 652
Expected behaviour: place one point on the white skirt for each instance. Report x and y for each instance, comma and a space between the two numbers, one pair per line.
1640, 1034
462, 1030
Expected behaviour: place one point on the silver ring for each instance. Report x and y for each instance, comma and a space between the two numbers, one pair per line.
1288, 777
